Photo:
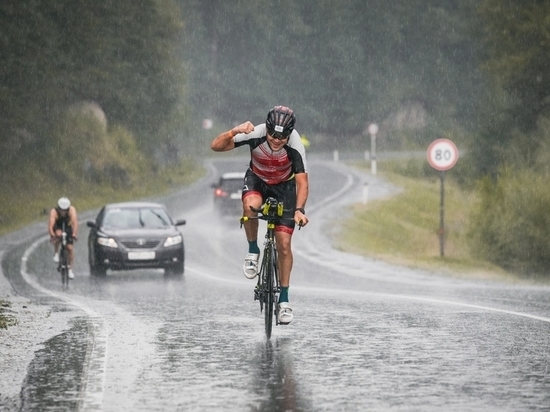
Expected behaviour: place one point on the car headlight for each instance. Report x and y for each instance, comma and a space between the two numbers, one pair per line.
107, 241
173, 240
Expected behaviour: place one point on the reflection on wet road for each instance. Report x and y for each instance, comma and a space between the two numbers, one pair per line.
366, 335
47, 389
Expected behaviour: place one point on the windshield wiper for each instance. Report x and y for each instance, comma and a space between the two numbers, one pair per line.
164, 222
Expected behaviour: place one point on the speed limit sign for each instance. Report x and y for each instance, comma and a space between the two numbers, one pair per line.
442, 154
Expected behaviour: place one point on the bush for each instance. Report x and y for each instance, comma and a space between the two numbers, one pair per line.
510, 226
85, 148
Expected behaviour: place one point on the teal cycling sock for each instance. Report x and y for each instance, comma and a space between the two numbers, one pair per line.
253, 247
283, 297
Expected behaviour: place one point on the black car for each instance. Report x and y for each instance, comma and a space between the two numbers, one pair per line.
135, 235
227, 193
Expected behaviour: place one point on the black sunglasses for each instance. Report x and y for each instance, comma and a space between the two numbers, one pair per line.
278, 136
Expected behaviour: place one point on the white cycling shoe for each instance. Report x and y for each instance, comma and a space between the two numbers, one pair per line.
56, 258
71, 274
250, 267
285, 315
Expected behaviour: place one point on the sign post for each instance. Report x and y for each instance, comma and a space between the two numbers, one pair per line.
373, 130
442, 156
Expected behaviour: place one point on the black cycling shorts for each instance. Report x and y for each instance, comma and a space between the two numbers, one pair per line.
284, 192
69, 230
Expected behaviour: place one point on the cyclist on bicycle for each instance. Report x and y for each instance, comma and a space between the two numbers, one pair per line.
63, 212
278, 169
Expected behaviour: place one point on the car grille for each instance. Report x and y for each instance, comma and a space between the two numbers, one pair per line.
147, 244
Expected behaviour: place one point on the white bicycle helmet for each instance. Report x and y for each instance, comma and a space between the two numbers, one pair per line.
64, 203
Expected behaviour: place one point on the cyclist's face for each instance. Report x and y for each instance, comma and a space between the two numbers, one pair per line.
276, 142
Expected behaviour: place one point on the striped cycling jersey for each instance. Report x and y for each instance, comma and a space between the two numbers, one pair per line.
273, 166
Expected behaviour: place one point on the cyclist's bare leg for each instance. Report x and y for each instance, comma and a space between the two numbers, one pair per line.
57, 240
251, 226
284, 253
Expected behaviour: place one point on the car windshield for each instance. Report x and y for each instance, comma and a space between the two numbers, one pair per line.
136, 218
232, 185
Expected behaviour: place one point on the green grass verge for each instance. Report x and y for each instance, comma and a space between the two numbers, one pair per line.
404, 229
6, 320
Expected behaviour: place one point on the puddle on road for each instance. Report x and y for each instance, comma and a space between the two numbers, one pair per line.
53, 381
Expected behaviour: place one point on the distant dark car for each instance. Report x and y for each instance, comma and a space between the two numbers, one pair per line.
227, 193
135, 235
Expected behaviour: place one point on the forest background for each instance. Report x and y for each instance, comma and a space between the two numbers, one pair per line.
110, 97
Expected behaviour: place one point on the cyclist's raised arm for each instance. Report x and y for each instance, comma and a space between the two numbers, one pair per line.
225, 142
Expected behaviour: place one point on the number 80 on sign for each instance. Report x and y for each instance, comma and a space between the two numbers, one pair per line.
442, 154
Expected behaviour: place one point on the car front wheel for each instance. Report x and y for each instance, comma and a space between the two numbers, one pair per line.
99, 271
96, 269
174, 270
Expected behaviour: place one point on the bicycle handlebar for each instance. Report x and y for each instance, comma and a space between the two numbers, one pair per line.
270, 210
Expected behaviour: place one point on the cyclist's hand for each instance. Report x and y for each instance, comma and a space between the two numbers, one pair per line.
300, 219
245, 127
75, 238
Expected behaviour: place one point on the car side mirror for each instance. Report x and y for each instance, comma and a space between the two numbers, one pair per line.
90, 223
180, 222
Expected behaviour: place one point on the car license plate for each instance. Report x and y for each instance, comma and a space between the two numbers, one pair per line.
235, 196
141, 255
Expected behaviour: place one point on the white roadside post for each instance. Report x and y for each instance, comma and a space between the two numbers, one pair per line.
442, 155
373, 130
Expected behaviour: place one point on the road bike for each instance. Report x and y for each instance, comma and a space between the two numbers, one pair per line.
63, 266
268, 287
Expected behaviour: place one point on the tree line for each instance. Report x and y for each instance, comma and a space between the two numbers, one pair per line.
126, 84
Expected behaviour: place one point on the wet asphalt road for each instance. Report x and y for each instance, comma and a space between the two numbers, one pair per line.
366, 335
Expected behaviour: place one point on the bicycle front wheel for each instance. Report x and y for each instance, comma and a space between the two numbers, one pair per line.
64, 266
269, 295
